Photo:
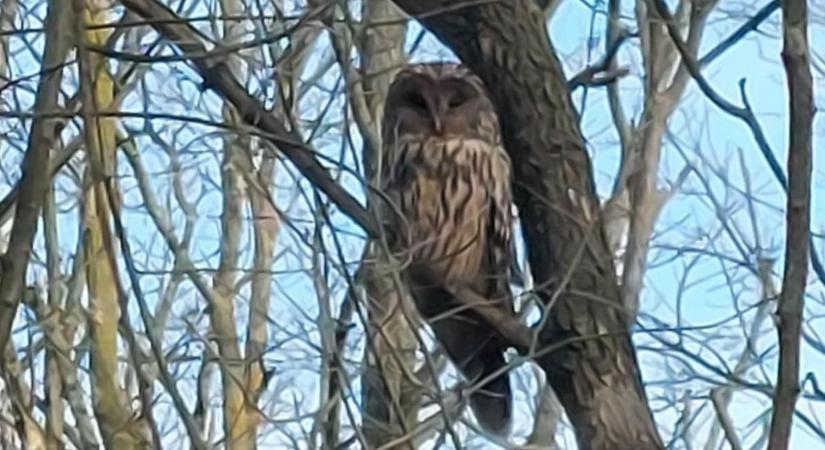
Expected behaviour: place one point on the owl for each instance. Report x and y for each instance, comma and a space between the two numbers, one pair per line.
446, 181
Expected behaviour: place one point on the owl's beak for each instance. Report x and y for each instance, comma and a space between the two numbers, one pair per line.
435, 114
437, 127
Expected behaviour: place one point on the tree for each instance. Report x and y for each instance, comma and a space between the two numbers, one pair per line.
153, 148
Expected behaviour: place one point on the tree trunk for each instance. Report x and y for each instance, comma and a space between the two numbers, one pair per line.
119, 426
34, 180
795, 56
391, 394
592, 365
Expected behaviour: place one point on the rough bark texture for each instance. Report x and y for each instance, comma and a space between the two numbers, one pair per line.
593, 368
795, 56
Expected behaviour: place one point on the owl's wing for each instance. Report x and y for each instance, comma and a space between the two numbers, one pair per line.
389, 195
499, 234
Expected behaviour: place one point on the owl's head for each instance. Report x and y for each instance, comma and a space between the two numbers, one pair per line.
438, 99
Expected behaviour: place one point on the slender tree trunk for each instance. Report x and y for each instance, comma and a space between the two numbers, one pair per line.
32, 188
240, 416
35, 179
119, 426
391, 393
795, 55
593, 369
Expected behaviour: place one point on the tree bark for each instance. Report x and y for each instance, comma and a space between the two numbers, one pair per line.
795, 56
593, 367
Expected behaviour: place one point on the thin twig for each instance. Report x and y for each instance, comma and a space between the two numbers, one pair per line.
604, 71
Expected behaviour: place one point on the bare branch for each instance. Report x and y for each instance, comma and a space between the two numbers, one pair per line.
217, 76
749, 26
605, 71
743, 113
8, 12
725, 420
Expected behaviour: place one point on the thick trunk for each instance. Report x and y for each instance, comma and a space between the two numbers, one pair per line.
593, 366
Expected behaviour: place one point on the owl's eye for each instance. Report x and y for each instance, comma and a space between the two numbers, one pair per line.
457, 100
416, 100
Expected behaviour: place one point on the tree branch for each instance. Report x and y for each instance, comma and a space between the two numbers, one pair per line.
725, 420
217, 76
604, 71
750, 25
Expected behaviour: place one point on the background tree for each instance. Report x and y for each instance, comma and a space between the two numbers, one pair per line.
149, 148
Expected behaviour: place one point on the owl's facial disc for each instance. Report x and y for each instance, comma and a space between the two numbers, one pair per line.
423, 106
435, 105
439, 103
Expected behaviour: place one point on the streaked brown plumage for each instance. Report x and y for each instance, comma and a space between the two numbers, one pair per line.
447, 178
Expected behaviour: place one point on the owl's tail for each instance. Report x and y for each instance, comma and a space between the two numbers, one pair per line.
474, 349
492, 404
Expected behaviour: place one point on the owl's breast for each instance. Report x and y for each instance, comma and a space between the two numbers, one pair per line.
442, 190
